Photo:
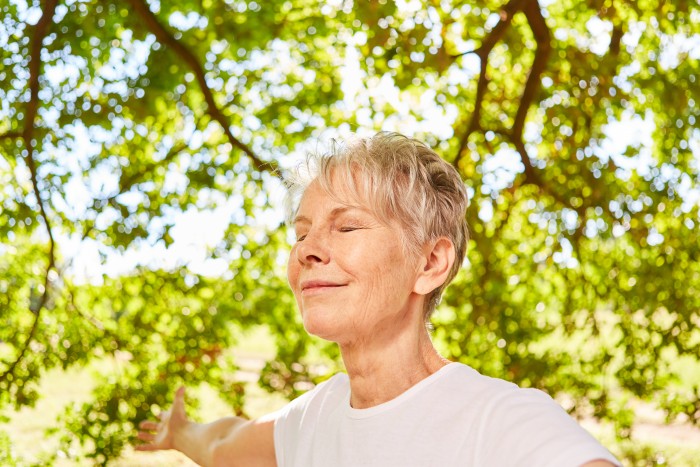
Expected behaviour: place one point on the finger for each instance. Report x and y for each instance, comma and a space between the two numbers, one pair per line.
164, 415
179, 402
142, 435
147, 447
148, 425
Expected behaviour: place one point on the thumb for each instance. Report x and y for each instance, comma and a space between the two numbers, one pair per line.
179, 403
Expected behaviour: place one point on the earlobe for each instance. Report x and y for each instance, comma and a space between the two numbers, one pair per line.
438, 257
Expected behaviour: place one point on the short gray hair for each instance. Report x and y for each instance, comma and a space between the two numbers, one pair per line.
397, 178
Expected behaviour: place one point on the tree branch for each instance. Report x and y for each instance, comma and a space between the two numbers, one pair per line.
483, 53
490, 41
543, 37
531, 10
616, 39
89, 318
540, 30
11, 135
166, 38
41, 30
128, 181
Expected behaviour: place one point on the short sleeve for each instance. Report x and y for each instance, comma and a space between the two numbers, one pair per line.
527, 427
287, 422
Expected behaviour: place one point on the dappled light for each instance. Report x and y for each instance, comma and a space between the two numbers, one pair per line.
143, 146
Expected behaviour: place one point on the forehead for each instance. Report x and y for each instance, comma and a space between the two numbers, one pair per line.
336, 199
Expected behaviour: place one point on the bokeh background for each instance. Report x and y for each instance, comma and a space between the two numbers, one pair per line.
142, 246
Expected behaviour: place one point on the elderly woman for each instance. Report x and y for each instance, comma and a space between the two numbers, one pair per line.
380, 232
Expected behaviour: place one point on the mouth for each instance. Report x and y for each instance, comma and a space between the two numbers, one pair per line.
312, 287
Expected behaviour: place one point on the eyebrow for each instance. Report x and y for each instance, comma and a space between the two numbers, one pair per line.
301, 219
335, 212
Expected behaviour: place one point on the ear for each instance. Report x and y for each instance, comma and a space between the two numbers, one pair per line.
435, 265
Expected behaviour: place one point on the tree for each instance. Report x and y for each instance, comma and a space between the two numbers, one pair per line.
583, 275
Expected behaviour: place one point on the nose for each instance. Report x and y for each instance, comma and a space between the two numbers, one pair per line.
313, 249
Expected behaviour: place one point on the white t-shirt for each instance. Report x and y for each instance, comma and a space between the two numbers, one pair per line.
455, 417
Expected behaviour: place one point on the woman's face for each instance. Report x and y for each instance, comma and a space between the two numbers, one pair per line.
348, 271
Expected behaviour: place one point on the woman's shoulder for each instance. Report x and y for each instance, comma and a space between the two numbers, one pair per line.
463, 385
464, 378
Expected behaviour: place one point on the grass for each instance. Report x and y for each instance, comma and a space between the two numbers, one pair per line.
26, 427
650, 447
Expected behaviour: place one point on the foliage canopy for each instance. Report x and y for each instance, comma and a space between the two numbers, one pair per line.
573, 124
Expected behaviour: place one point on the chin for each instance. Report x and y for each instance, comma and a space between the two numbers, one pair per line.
323, 325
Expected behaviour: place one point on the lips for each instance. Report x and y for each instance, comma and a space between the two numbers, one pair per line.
319, 286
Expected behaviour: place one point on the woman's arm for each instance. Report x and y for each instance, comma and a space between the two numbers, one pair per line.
228, 441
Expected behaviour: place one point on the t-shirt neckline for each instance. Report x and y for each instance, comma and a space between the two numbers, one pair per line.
400, 399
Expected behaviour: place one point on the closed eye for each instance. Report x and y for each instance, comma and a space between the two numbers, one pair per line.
348, 229
301, 238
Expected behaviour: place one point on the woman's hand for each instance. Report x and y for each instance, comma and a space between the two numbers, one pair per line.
226, 441
162, 435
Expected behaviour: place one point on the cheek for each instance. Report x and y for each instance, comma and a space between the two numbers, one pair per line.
292, 269
385, 271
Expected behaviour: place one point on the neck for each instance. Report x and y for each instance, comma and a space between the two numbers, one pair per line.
380, 370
